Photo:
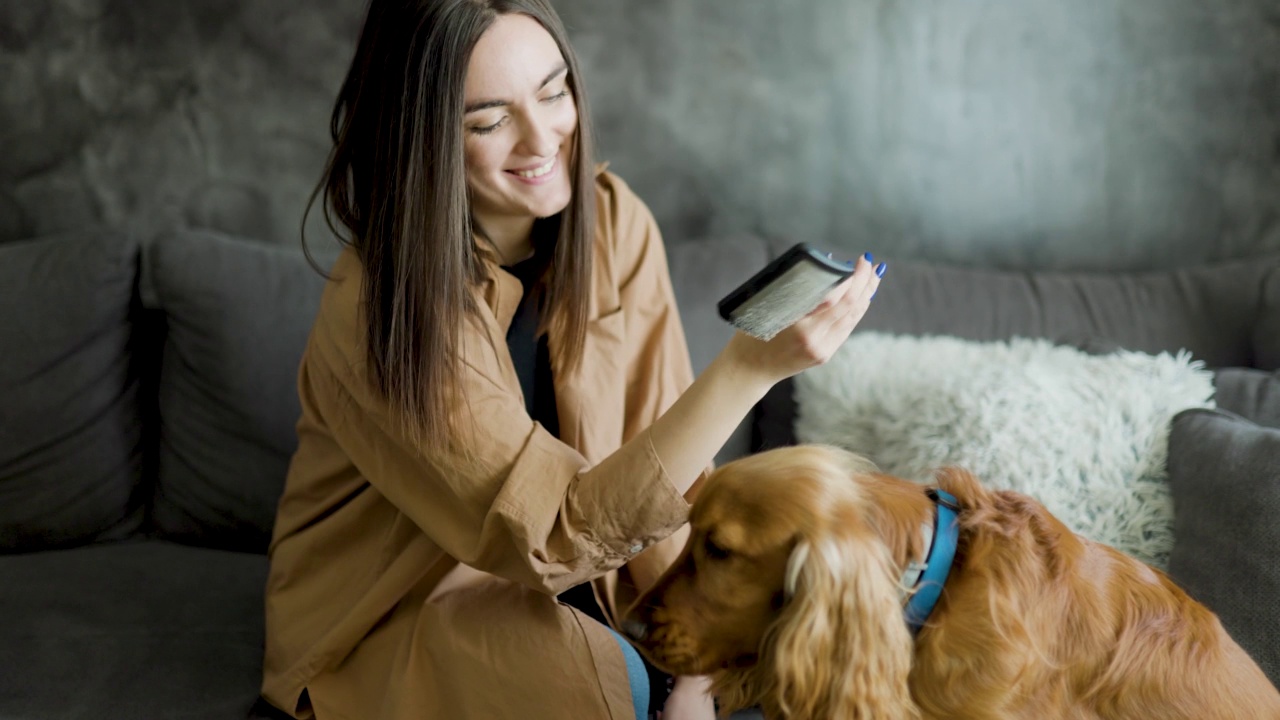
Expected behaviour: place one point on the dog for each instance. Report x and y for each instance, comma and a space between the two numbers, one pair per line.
803, 591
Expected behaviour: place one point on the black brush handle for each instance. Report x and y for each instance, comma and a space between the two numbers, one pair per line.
798, 253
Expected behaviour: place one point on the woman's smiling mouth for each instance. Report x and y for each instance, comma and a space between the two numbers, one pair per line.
537, 172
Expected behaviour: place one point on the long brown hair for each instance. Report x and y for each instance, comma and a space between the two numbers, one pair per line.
395, 181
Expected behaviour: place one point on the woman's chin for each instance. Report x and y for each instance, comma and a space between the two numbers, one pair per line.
549, 208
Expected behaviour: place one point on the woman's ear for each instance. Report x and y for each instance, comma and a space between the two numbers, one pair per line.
842, 648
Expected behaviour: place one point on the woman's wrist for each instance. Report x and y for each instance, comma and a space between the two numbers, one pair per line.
700, 684
690, 699
740, 363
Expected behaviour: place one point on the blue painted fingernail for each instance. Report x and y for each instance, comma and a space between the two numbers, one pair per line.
868, 257
880, 269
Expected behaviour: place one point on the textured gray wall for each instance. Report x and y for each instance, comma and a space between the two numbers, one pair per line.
153, 113
1034, 133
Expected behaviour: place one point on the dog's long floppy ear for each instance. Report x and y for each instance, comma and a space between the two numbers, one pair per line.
842, 648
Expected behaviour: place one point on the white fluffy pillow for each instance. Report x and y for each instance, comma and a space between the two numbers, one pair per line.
1085, 434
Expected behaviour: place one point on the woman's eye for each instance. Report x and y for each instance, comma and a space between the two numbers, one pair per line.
562, 94
486, 129
714, 551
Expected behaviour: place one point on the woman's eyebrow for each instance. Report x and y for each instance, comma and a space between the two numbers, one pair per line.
485, 104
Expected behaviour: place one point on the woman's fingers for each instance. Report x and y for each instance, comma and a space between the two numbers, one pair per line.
820, 333
814, 339
877, 272
845, 297
858, 306
834, 296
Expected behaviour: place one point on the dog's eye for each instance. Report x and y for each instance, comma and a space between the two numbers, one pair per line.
714, 551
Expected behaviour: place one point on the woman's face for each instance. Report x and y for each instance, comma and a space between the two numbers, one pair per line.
518, 123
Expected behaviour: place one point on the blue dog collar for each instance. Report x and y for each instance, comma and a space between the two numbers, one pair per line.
926, 587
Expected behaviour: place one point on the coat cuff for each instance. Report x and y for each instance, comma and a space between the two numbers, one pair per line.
558, 513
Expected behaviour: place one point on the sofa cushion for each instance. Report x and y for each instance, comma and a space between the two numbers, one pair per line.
70, 425
1224, 472
144, 629
1249, 393
238, 314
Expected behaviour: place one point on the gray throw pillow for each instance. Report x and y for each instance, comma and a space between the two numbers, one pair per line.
238, 314
1249, 393
70, 425
1224, 473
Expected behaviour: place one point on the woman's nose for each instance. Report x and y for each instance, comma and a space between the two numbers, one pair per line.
539, 138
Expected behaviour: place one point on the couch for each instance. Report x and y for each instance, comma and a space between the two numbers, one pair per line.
148, 411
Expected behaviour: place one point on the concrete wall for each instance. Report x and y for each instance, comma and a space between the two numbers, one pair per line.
1030, 133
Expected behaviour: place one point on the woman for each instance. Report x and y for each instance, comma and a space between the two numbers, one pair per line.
497, 404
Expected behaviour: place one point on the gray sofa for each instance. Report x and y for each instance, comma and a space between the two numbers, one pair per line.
148, 410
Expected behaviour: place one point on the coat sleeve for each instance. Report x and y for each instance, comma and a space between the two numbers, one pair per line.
659, 371
521, 505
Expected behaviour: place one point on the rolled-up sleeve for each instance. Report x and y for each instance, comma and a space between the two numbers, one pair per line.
658, 368
521, 504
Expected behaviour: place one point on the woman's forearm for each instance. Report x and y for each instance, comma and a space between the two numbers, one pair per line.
689, 434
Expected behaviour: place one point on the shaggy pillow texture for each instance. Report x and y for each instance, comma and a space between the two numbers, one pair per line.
1084, 434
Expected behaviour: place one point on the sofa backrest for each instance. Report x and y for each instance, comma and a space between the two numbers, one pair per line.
88, 447
1212, 310
1266, 334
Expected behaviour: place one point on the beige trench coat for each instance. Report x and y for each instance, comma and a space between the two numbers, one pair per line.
402, 586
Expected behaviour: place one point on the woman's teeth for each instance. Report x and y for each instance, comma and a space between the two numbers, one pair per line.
536, 172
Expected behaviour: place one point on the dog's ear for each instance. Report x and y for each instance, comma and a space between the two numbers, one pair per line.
964, 485
842, 648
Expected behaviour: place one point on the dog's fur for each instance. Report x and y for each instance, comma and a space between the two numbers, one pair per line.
1034, 621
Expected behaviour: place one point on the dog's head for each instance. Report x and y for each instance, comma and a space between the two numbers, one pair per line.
787, 592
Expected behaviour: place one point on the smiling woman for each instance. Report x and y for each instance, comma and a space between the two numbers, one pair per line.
520, 120
464, 518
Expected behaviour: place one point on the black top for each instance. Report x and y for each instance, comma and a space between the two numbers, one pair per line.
532, 360
529, 352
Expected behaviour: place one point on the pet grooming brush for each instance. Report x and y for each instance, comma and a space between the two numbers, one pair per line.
786, 290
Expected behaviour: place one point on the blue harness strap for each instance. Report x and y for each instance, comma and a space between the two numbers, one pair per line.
946, 535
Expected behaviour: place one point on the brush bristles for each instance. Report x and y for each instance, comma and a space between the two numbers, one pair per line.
777, 306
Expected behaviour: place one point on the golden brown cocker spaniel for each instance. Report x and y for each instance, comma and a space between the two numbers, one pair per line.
789, 595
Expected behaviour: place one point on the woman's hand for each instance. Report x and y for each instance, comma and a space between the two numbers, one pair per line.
690, 699
690, 432
813, 339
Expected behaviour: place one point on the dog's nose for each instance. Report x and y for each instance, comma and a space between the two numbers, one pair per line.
634, 629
